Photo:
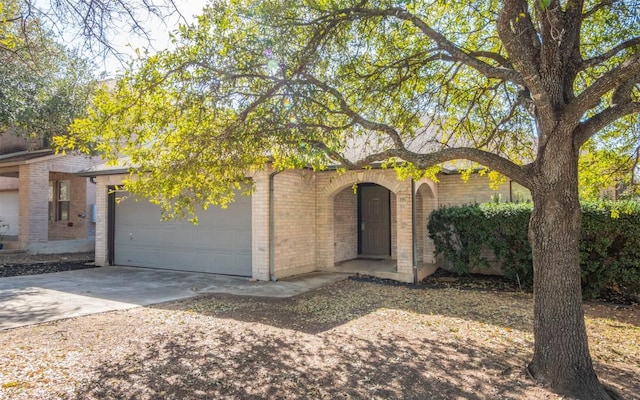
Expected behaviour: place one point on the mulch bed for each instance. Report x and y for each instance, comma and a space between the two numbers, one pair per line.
442, 279
43, 268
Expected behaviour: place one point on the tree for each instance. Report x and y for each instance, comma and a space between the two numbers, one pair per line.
90, 25
516, 86
43, 85
608, 165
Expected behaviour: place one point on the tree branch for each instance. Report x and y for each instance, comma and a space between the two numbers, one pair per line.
597, 7
629, 70
425, 160
504, 63
443, 43
348, 111
599, 121
593, 61
520, 38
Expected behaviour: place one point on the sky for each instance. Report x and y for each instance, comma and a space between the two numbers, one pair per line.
159, 32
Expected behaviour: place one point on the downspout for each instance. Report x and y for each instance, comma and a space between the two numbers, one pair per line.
272, 245
413, 232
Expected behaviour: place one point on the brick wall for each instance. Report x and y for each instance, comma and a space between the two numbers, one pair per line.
452, 190
393, 205
34, 206
425, 203
345, 222
102, 210
82, 196
260, 226
294, 223
331, 185
76, 226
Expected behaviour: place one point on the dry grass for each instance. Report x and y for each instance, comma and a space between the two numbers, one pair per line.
347, 340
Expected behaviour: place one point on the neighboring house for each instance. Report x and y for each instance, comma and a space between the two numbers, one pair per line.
44, 206
295, 222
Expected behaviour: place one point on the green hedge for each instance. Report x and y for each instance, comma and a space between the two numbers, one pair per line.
609, 245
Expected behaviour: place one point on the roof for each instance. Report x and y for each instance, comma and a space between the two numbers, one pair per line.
24, 156
122, 166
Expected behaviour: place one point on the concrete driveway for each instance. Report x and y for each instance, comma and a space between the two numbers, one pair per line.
27, 300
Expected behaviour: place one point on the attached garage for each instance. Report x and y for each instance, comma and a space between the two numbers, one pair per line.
220, 243
9, 211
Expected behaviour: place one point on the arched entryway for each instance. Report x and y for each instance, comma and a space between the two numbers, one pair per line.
364, 223
425, 203
339, 228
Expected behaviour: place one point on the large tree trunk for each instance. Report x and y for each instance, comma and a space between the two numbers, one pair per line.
561, 352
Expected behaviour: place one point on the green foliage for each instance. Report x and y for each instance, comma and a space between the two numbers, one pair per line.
312, 83
8, 37
609, 244
610, 247
608, 162
43, 85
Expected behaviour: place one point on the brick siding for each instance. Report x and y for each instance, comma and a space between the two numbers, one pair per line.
452, 190
294, 223
345, 222
315, 217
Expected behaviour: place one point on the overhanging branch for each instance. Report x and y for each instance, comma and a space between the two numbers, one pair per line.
519, 173
593, 61
599, 121
629, 70
356, 117
455, 52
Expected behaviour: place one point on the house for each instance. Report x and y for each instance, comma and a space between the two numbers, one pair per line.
44, 206
295, 221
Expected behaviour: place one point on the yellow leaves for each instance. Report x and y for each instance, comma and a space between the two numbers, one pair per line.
521, 15
8, 38
11, 384
496, 179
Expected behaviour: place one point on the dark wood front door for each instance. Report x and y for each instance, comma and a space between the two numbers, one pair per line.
374, 220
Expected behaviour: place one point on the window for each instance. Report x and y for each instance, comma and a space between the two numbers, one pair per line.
59, 200
52, 205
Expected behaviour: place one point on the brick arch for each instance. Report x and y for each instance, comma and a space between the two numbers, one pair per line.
347, 179
426, 186
425, 203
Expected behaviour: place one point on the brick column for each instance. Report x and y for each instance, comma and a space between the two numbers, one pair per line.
325, 251
34, 204
260, 226
404, 226
102, 214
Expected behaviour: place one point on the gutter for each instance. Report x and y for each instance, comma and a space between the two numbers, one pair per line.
413, 232
272, 244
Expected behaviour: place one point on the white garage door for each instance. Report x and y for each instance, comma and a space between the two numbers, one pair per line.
220, 243
9, 208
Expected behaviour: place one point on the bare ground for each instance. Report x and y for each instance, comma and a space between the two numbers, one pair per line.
349, 340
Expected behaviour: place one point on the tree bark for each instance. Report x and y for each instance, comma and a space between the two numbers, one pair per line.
561, 353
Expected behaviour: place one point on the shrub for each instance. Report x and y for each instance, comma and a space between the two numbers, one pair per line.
609, 244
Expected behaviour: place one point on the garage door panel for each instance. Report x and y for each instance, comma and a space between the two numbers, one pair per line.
9, 212
220, 243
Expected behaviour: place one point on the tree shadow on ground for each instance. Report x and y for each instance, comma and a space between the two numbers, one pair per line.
317, 351
18, 308
331, 306
258, 366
